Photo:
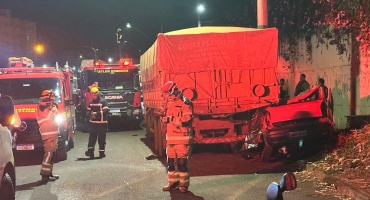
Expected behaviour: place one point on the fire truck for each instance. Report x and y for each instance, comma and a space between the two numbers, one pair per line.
119, 84
25, 85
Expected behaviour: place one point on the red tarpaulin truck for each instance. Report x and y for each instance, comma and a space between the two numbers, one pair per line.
228, 72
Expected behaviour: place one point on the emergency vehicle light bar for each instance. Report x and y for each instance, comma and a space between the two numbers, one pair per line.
28, 70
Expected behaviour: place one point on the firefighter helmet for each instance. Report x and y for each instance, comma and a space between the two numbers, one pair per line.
94, 90
169, 87
47, 95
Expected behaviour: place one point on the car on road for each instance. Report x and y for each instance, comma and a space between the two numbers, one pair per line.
8, 119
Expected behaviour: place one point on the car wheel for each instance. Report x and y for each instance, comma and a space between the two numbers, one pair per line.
7, 188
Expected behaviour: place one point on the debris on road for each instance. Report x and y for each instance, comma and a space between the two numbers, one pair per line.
151, 157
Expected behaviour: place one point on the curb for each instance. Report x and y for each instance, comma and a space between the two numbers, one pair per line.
341, 186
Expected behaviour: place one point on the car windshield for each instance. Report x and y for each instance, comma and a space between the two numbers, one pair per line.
28, 90
112, 79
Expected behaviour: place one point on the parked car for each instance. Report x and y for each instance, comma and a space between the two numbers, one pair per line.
8, 120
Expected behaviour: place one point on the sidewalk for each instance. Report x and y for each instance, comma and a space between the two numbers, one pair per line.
341, 185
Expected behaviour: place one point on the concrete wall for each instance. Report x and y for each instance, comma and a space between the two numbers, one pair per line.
335, 69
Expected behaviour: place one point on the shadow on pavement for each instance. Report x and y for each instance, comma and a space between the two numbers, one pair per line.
29, 186
86, 159
208, 160
177, 195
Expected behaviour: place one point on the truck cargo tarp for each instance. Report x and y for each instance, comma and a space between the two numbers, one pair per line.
209, 48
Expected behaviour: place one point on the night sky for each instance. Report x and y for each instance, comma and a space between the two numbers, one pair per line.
70, 24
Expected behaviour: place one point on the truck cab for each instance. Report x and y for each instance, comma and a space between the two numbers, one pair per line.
25, 85
119, 84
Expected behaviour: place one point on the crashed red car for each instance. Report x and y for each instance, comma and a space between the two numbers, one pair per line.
304, 122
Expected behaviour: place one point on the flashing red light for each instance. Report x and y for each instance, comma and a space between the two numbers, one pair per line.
125, 62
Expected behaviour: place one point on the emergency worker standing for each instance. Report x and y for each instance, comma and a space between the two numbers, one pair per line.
302, 85
178, 117
284, 93
98, 109
46, 111
323, 90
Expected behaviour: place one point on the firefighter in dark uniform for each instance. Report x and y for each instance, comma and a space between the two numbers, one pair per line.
98, 109
178, 117
45, 114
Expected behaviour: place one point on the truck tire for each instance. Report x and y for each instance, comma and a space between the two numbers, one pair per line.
7, 187
158, 138
61, 153
71, 142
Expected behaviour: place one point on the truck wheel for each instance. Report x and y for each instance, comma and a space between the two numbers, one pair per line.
142, 125
71, 142
161, 140
61, 153
7, 188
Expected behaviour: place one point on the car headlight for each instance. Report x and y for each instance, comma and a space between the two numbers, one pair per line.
58, 118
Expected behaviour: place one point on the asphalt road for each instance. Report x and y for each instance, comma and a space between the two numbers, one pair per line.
126, 174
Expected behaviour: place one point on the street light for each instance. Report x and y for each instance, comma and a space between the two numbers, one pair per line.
110, 60
39, 48
128, 25
200, 9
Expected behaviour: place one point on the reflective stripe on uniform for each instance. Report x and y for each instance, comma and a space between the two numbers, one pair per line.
184, 179
172, 177
45, 169
44, 119
45, 163
95, 104
49, 133
98, 122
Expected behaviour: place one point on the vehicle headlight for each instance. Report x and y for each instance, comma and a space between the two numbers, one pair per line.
58, 118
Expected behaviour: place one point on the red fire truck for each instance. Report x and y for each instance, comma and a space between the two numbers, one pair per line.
25, 84
119, 84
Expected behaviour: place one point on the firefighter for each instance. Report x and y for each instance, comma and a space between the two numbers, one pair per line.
98, 109
45, 114
178, 117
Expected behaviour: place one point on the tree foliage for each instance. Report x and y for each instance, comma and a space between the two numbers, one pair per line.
333, 22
